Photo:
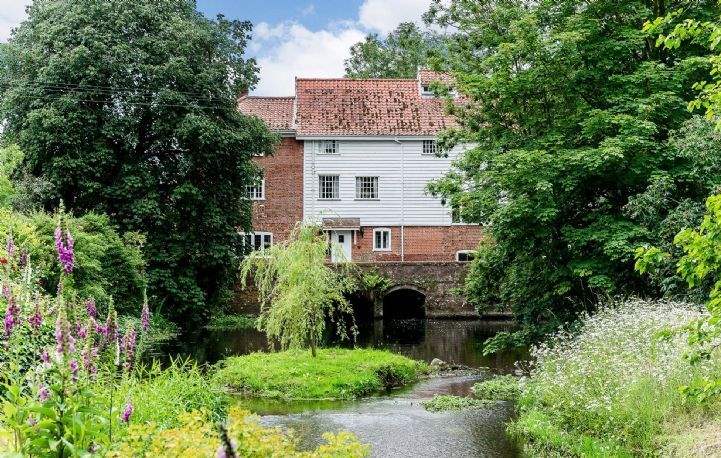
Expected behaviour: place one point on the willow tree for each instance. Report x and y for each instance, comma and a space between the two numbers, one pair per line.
298, 290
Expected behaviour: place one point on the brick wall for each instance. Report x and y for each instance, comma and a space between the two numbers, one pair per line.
422, 243
283, 204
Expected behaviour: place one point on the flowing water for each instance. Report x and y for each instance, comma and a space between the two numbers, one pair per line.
396, 424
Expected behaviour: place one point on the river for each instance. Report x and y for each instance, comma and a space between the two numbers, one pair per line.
396, 424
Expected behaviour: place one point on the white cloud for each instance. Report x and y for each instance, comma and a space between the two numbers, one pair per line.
12, 12
385, 15
301, 52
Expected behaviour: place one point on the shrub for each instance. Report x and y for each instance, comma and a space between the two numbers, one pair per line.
443, 402
196, 436
106, 263
334, 373
613, 383
503, 388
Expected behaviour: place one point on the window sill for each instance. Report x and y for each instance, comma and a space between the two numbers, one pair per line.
257, 200
328, 200
368, 200
378, 250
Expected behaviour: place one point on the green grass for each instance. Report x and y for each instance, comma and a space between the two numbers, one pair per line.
333, 374
445, 402
231, 322
503, 388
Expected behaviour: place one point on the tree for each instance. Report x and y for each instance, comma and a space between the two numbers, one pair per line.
397, 56
569, 108
298, 290
128, 107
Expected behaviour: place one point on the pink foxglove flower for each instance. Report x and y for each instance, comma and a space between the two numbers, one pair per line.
65, 343
10, 246
127, 412
43, 393
66, 254
74, 368
145, 317
129, 347
91, 308
12, 317
45, 357
36, 319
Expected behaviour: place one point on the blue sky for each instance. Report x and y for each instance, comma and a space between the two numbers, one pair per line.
308, 38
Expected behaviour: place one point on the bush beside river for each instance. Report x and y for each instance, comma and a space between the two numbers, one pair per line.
614, 387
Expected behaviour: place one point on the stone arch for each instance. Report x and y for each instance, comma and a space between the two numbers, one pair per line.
404, 301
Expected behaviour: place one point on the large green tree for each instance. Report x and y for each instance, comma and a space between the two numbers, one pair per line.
396, 56
570, 107
128, 107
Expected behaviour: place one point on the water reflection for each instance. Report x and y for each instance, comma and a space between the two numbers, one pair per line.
453, 341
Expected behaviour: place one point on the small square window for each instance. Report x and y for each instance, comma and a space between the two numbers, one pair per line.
256, 191
381, 240
465, 256
429, 147
257, 240
328, 186
366, 187
329, 147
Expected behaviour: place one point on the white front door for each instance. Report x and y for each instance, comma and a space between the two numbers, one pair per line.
341, 246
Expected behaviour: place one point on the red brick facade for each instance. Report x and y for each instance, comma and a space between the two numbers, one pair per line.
282, 207
421, 243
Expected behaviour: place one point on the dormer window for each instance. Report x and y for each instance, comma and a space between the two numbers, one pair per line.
426, 91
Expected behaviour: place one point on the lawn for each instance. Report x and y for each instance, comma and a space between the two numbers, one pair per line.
333, 374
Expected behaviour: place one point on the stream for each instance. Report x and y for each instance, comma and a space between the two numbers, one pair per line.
396, 424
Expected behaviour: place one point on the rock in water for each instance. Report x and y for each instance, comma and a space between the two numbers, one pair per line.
438, 364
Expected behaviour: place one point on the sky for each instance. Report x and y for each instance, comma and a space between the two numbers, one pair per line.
308, 38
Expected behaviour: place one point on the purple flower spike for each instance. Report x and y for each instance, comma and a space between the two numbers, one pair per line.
43, 393
145, 317
10, 247
36, 319
45, 357
63, 338
32, 421
91, 308
12, 318
24, 259
66, 255
74, 367
127, 412
90, 353
129, 347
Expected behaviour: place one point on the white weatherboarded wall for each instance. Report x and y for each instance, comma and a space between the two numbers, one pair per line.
403, 173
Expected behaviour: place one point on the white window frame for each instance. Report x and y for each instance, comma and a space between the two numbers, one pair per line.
252, 236
329, 147
432, 150
390, 239
460, 252
359, 187
254, 196
336, 188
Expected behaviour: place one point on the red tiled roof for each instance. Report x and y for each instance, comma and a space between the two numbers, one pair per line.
277, 112
426, 77
370, 107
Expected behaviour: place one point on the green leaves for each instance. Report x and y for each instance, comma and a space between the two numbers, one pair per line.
570, 114
128, 108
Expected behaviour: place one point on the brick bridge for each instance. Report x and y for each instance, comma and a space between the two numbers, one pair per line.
431, 289
434, 286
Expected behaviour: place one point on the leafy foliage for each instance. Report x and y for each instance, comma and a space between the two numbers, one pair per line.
444, 402
128, 108
569, 111
297, 290
108, 266
396, 56
197, 437
501, 388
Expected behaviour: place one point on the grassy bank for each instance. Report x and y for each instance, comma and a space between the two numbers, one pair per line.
613, 389
333, 374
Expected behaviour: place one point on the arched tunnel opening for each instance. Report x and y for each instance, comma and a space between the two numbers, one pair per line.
403, 304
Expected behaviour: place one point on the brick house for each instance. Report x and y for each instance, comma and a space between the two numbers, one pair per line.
356, 157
